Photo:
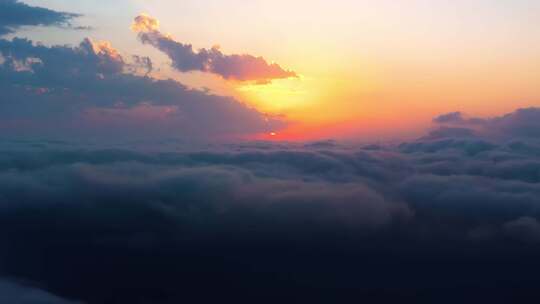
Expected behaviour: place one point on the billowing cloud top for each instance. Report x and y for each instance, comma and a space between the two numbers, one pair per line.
521, 123
279, 219
63, 91
92, 90
145, 23
237, 67
14, 14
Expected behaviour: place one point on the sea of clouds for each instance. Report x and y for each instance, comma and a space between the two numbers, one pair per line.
156, 222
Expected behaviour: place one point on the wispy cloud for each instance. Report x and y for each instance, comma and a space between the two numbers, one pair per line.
14, 14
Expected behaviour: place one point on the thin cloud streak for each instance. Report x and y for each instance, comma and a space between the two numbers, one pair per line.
15, 14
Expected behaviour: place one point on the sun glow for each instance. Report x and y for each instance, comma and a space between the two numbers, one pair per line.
298, 99
276, 97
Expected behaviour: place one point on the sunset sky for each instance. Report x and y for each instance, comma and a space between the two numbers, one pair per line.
269, 151
366, 69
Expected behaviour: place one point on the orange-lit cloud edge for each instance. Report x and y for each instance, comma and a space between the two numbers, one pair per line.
327, 106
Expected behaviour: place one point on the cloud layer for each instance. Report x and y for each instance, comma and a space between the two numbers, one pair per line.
92, 90
236, 67
14, 14
445, 214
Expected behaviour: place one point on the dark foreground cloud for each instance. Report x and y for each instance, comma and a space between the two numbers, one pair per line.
14, 293
237, 67
14, 14
443, 219
92, 90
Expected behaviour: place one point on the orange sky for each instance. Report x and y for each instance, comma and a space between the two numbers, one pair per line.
370, 69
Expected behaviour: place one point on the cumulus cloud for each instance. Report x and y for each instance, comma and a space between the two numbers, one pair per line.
521, 123
14, 14
457, 118
145, 23
237, 67
92, 90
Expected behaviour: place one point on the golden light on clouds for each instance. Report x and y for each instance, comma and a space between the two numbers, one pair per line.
360, 73
145, 23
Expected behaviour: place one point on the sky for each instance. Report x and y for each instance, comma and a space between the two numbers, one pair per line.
165, 151
366, 70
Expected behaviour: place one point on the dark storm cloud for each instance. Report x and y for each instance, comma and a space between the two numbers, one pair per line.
91, 89
14, 14
237, 67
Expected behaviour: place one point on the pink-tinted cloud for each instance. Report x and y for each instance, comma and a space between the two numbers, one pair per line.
242, 67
